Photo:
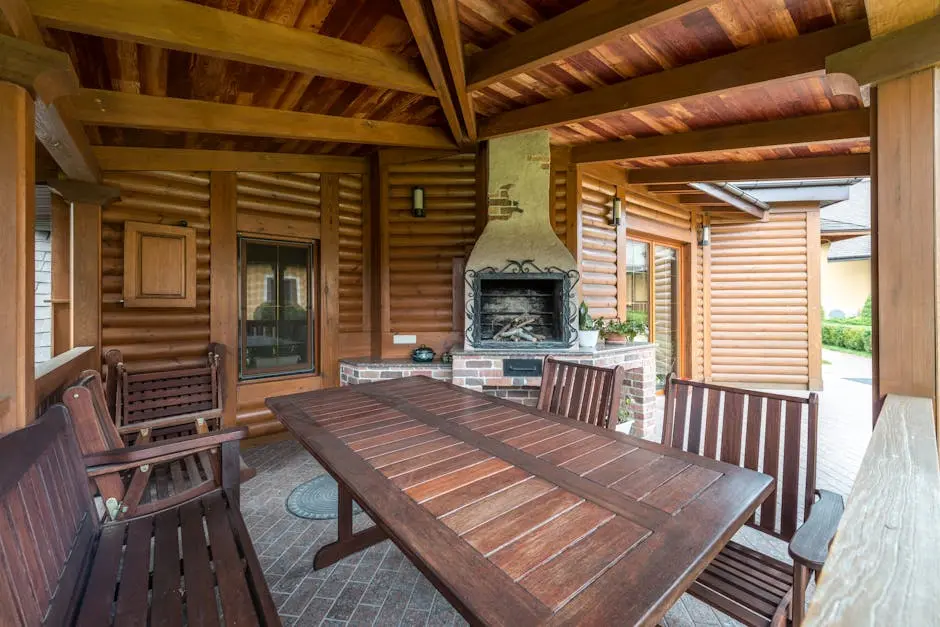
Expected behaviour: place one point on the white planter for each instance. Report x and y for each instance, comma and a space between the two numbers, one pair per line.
587, 339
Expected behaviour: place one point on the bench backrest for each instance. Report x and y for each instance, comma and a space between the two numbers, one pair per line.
588, 394
47, 522
771, 433
150, 395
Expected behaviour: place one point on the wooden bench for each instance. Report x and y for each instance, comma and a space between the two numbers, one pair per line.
60, 566
774, 434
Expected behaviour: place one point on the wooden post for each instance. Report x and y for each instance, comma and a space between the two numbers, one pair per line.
17, 257
85, 250
223, 284
61, 273
329, 277
813, 299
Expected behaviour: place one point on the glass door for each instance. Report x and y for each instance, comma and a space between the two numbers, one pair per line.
638, 283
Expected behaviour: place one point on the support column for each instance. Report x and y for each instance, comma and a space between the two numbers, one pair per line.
17, 257
61, 273
223, 285
329, 277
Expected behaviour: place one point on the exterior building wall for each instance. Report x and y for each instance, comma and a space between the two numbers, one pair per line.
846, 285
43, 331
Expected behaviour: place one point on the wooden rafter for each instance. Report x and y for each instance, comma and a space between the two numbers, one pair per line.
574, 31
448, 26
424, 33
820, 128
110, 108
56, 127
792, 58
180, 25
841, 166
891, 55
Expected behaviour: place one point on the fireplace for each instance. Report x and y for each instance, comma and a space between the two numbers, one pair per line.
521, 306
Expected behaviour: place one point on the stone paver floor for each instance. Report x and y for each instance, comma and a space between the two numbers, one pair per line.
381, 587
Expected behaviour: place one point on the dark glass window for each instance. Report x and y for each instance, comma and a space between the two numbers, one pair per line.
278, 296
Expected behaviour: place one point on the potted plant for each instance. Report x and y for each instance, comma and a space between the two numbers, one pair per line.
623, 331
587, 328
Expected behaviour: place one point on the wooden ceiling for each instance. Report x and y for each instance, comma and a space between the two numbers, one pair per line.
683, 35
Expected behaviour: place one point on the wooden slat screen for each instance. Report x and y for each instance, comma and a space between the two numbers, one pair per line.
598, 248
422, 250
155, 339
758, 302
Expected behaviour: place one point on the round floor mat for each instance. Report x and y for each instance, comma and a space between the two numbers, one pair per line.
316, 499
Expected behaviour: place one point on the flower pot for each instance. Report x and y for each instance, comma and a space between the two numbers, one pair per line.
615, 338
587, 339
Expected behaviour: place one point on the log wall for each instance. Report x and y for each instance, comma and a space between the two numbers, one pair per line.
598, 247
155, 339
421, 252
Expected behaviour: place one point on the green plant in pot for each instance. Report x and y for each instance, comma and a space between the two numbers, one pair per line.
588, 328
623, 331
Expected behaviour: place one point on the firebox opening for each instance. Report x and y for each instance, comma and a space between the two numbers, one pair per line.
521, 310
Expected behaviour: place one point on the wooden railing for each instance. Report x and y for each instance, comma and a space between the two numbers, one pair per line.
883, 566
55, 375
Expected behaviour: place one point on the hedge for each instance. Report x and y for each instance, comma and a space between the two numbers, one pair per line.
847, 336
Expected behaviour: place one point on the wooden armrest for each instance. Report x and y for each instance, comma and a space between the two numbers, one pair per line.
163, 450
810, 544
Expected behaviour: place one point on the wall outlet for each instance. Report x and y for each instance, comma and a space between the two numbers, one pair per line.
404, 339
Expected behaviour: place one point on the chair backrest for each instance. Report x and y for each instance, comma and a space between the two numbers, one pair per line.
771, 433
589, 394
143, 396
89, 409
48, 526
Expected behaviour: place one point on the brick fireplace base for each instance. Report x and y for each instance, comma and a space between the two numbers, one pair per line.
482, 370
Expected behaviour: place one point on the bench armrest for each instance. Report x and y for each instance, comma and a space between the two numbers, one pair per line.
810, 544
166, 450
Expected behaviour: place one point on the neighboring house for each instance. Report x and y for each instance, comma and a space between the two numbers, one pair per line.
845, 278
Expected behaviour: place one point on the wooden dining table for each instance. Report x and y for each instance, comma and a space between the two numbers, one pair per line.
520, 517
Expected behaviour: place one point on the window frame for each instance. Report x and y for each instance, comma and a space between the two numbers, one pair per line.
308, 367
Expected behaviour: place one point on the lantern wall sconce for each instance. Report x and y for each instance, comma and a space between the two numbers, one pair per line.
617, 212
417, 202
704, 235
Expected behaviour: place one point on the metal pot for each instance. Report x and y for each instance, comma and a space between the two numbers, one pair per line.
422, 355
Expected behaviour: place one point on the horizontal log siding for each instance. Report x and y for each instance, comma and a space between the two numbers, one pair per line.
351, 245
559, 196
422, 250
698, 310
598, 248
758, 302
155, 339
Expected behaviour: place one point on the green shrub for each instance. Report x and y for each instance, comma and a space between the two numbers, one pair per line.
852, 336
866, 311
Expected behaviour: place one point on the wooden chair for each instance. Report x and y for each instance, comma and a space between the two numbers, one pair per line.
776, 435
168, 402
143, 488
585, 393
59, 565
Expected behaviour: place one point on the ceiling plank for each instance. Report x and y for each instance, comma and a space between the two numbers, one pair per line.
125, 159
842, 166
180, 25
811, 129
792, 58
581, 28
420, 25
892, 55
885, 16
109, 108
56, 128
448, 26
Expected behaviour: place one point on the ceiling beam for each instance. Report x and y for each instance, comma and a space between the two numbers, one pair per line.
772, 170
743, 202
421, 27
125, 159
180, 25
811, 129
109, 108
892, 55
448, 27
55, 125
581, 28
788, 59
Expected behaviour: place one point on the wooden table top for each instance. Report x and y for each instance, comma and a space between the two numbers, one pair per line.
521, 516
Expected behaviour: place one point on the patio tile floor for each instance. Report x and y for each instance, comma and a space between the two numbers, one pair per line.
380, 587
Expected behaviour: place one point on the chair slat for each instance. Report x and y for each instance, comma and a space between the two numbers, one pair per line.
695, 421
585, 393
752, 437
732, 428
711, 424
166, 602
678, 434
811, 419
768, 511
791, 468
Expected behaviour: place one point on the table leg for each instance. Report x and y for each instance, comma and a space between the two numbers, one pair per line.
347, 542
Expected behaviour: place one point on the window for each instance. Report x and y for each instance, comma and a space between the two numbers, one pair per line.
277, 308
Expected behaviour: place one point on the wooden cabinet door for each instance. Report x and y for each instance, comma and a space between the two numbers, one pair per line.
159, 265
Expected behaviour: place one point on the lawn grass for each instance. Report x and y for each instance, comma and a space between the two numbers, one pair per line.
850, 351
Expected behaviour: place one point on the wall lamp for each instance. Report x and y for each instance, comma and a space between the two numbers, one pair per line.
704, 235
417, 202
617, 212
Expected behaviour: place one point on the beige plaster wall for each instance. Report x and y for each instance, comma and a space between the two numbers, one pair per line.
845, 285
